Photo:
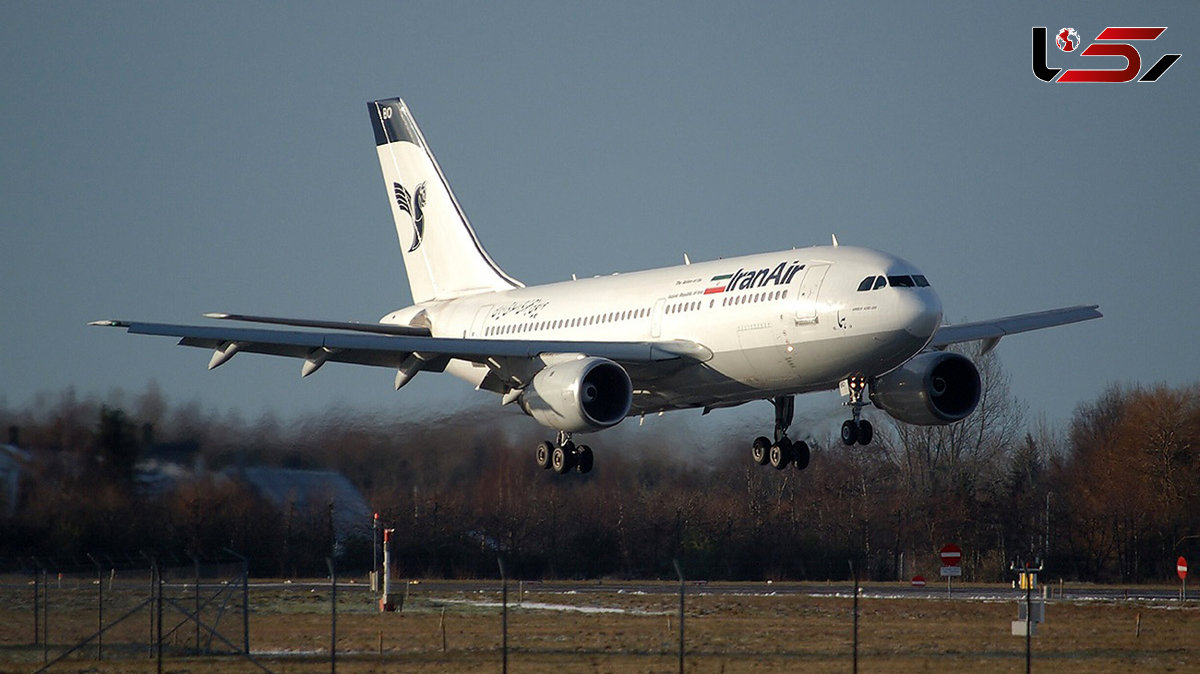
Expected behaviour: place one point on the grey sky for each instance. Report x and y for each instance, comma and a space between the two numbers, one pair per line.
161, 160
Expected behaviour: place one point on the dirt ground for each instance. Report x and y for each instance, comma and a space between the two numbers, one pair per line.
460, 630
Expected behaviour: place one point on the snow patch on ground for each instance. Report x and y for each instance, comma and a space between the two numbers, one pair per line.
543, 606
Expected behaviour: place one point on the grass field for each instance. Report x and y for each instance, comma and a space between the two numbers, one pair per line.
599, 631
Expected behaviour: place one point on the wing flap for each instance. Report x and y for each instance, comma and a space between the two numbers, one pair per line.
374, 328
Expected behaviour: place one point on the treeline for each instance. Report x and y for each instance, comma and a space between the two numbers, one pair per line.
1114, 496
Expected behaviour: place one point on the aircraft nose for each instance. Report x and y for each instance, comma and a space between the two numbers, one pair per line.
924, 314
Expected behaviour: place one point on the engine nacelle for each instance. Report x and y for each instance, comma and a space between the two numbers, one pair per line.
579, 395
939, 387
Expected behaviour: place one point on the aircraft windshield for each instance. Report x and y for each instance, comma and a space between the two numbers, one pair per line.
898, 281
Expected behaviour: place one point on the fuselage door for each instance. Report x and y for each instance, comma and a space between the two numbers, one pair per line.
806, 294
656, 318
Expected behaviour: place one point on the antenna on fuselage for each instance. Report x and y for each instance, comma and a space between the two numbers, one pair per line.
835, 243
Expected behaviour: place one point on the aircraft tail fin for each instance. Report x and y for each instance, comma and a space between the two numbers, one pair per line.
442, 255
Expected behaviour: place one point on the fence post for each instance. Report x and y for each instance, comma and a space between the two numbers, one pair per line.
855, 576
332, 616
196, 566
159, 611
503, 617
679, 572
375, 557
1028, 627
150, 605
45, 615
245, 600
99, 608
37, 609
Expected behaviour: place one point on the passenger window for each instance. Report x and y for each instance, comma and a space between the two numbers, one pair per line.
880, 282
866, 284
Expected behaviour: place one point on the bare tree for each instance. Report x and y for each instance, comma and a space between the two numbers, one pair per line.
945, 474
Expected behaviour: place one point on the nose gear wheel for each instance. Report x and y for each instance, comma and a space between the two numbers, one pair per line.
857, 429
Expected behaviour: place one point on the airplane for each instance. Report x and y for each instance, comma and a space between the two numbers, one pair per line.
580, 356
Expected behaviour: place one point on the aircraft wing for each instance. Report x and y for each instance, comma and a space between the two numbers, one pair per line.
401, 351
991, 331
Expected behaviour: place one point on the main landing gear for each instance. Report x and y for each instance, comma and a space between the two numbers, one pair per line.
857, 429
783, 451
563, 455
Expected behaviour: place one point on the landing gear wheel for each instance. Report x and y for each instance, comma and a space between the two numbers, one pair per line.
542, 454
562, 459
800, 454
849, 432
583, 459
759, 451
865, 432
780, 454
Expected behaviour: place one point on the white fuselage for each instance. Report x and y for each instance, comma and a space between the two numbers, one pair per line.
775, 323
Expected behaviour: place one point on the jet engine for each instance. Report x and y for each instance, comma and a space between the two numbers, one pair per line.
938, 387
579, 395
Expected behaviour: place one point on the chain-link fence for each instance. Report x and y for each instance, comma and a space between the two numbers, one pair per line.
124, 606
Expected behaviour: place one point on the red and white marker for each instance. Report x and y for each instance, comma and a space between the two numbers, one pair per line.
951, 555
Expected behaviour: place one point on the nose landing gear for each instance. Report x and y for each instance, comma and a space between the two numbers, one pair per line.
857, 429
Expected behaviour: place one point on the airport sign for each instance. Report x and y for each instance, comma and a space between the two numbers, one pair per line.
1181, 568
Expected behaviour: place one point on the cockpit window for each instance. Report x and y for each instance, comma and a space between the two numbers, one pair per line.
866, 283
880, 282
922, 282
901, 281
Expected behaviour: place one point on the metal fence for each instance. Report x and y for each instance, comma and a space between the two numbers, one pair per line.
132, 615
124, 607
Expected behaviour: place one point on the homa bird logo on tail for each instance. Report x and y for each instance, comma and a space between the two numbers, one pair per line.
414, 205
